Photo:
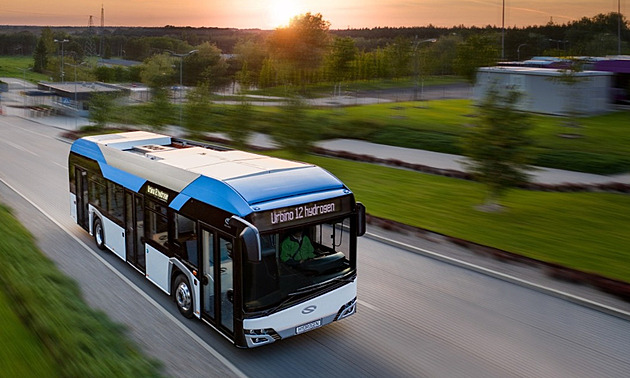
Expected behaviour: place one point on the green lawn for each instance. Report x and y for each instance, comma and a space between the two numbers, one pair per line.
586, 231
13, 66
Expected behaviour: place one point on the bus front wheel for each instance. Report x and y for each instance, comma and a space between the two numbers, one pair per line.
183, 296
99, 236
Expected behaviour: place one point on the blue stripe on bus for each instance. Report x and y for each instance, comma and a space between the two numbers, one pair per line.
290, 183
179, 201
129, 181
88, 149
218, 194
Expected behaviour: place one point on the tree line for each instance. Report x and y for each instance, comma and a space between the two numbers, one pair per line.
307, 51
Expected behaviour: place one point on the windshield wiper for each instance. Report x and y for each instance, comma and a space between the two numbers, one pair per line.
306, 290
284, 301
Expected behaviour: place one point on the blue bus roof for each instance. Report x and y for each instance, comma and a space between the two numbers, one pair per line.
236, 181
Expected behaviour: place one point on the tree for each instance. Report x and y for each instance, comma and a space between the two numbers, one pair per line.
302, 44
206, 66
570, 78
293, 130
339, 60
498, 147
477, 51
399, 56
45, 47
197, 108
158, 73
238, 123
250, 55
160, 110
101, 108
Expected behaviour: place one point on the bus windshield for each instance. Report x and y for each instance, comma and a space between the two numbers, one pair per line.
297, 262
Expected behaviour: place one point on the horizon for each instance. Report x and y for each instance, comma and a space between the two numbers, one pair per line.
271, 14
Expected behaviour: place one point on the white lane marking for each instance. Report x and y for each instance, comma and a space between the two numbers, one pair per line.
190, 333
16, 146
505, 277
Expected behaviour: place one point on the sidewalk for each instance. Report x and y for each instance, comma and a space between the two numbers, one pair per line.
454, 162
428, 158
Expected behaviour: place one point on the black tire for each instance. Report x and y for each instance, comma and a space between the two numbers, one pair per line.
183, 296
99, 235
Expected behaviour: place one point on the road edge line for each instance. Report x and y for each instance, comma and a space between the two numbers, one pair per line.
504, 277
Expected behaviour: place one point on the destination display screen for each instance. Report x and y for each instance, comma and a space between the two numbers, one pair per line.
304, 213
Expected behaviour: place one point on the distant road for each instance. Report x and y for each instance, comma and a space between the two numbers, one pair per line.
434, 92
417, 316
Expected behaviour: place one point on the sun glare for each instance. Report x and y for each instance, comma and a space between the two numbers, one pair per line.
281, 12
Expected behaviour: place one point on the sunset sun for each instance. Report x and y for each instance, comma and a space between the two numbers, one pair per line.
281, 12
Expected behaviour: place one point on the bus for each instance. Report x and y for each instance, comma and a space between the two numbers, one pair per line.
257, 247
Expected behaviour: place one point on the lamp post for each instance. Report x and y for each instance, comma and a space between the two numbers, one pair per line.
76, 103
181, 76
62, 42
24, 85
416, 68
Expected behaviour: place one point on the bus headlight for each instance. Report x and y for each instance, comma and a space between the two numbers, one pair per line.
347, 309
256, 337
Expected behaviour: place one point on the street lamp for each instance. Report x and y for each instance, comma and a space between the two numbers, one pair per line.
181, 76
24, 84
416, 68
76, 103
62, 42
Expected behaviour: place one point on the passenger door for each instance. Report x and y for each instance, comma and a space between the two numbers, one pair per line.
217, 306
81, 185
134, 230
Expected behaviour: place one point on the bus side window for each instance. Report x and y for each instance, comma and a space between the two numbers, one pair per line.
156, 223
185, 238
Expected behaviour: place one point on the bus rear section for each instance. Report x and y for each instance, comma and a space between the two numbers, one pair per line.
258, 248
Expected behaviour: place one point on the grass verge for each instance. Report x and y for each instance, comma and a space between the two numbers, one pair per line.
82, 342
21, 353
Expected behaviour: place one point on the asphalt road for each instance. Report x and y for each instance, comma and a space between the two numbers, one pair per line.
417, 316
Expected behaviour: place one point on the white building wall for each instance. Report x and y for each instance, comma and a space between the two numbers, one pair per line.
543, 92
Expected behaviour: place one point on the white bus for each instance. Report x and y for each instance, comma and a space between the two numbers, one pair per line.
259, 248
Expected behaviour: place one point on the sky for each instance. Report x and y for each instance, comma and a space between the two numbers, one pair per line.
270, 14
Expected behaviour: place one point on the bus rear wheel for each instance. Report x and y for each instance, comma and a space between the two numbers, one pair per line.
183, 296
99, 236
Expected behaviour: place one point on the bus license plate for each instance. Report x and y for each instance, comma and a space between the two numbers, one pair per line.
308, 326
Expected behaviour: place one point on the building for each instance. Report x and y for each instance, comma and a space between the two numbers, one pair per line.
73, 97
544, 91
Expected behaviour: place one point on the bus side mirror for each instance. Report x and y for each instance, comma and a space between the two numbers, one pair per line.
361, 228
249, 239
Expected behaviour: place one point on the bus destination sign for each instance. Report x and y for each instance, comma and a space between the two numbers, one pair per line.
304, 211
292, 215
